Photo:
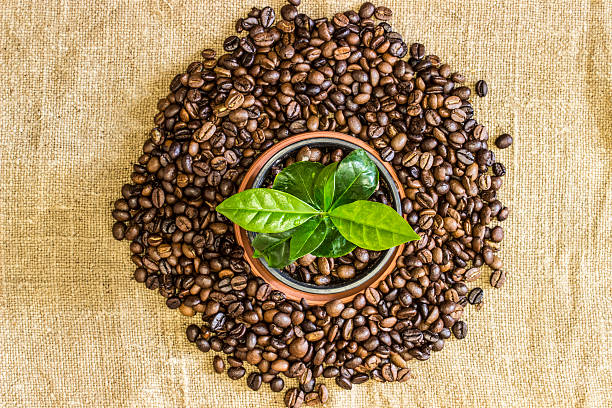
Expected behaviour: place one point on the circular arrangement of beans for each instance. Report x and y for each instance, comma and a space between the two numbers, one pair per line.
281, 76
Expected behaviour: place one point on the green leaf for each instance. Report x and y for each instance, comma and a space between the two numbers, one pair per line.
298, 179
334, 245
266, 210
274, 248
356, 178
371, 225
307, 237
324, 186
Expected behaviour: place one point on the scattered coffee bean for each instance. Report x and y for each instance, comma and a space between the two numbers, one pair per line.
498, 278
294, 398
277, 384
344, 382
503, 141
482, 88
218, 364
254, 381
475, 296
460, 329
236, 373
193, 332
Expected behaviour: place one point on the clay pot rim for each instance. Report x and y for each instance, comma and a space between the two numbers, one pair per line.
317, 295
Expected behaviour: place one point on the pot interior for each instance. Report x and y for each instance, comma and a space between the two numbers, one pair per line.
386, 184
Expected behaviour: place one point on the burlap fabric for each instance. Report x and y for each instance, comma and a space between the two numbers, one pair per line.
80, 81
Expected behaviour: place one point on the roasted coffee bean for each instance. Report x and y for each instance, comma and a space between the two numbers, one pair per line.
236, 373
460, 329
503, 141
346, 272
372, 296
344, 382
366, 10
383, 13
334, 308
499, 169
277, 384
294, 398
482, 88
218, 364
475, 296
119, 230
498, 278
299, 347
193, 332
323, 393
254, 381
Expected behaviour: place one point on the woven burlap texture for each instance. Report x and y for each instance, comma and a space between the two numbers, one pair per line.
80, 82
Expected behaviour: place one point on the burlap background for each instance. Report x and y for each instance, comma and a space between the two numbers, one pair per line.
80, 81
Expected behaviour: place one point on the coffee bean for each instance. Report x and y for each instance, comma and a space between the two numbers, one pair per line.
460, 329
372, 296
387, 154
498, 278
499, 169
203, 345
254, 381
417, 51
299, 347
475, 296
193, 332
277, 384
346, 272
342, 53
366, 10
343, 382
294, 398
503, 141
403, 375
323, 394
497, 234
119, 230
267, 17
324, 265
289, 12
282, 320
335, 307
218, 364
235, 373
482, 88
466, 157
383, 13
361, 255
205, 132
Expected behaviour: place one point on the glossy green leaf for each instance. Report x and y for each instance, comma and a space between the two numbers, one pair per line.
307, 237
371, 225
334, 245
298, 179
324, 186
274, 248
356, 178
266, 210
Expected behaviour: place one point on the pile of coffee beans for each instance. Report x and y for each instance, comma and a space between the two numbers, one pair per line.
323, 271
284, 75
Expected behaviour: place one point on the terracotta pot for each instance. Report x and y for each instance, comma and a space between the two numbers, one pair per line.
293, 289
